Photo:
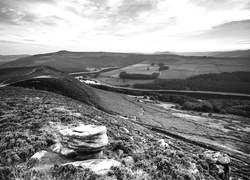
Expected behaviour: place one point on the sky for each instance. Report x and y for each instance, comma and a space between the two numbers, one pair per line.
41, 26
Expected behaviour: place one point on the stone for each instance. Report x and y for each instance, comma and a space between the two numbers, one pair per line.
162, 143
60, 149
119, 152
217, 157
85, 138
39, 155
98, 166
193, 168
125, 130
128, 161
221, 162
45, 160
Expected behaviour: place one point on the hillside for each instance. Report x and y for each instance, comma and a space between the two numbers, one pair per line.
35, 116
77, 61
236, 53
49, 79
7, 58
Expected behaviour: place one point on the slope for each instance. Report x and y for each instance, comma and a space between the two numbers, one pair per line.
29, 120
77, 61
49, 79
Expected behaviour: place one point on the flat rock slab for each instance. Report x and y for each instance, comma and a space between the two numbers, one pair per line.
84, 131
98, 166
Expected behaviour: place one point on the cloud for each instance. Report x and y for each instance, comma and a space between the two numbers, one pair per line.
14, 15
213, 5
132, 9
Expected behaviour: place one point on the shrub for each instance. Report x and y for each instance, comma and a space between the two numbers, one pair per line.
161, 68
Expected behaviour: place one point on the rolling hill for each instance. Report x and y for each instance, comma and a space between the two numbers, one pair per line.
77, 61
49, 79
7, 58
236, 53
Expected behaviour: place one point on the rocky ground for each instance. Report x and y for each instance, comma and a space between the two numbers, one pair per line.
30, 121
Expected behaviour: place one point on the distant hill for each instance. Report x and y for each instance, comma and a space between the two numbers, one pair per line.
77, 61
7, 58
49, 79
236, 53
163, 52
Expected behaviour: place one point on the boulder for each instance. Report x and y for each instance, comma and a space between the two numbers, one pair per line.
98, 166
220, 162
217, 157
162, 143
85, 138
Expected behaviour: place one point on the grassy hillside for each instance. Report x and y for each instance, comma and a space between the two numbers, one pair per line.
80, 61
7, 58
29, 120
49, 79
77, 61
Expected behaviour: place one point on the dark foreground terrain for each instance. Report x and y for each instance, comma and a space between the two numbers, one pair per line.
29, 120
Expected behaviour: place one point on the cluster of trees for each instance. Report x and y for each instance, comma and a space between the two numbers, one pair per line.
238, 82
125, 75
162, 67
223, 106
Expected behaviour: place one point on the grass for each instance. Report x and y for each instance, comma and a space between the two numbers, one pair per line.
26, 114
179, 68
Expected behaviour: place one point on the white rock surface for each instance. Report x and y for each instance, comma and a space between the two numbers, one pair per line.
98, 166
162, 143
38, 155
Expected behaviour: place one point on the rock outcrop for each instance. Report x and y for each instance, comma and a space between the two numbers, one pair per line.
82, 142
98, 166
220, 162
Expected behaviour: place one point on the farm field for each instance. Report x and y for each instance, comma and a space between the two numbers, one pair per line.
179, 68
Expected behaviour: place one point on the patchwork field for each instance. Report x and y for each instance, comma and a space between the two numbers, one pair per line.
179, 68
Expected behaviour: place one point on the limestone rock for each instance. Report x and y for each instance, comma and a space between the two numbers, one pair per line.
98, 166
85, 138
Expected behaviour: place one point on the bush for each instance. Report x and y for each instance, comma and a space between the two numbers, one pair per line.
125, 75
163, 68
